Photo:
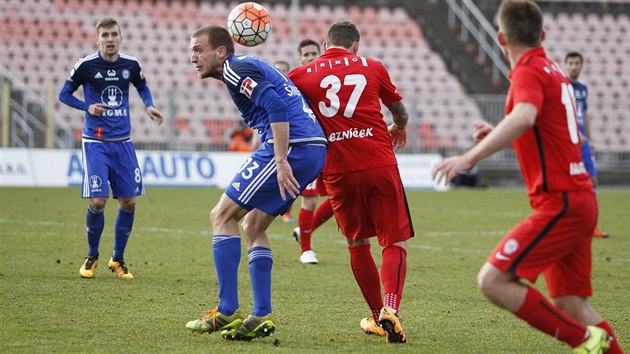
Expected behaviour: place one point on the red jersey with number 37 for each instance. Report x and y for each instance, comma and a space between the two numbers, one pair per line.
549, 152
345, 92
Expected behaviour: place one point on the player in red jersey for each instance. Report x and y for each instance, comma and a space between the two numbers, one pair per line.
555, 239
361, 172
311, 216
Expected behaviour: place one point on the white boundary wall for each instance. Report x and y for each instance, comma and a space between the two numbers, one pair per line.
62, 168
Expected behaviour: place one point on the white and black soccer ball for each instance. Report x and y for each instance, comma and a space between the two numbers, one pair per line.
249, 24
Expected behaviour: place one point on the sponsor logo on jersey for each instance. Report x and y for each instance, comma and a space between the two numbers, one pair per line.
237, 186
98, 75
247, 87
111, 75
352, 133
112, 96
577, 168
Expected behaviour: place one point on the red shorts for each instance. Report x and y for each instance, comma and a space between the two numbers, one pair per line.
556, 240
315, 188
370, 203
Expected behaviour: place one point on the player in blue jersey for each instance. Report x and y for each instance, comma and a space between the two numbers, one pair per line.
573, 62
292, 154
109, 158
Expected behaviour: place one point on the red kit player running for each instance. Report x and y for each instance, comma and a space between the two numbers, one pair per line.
555, 240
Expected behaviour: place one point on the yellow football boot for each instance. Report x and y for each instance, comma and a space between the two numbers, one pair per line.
88, 267
119, 268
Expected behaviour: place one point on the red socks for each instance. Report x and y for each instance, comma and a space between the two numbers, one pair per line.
366, 275
393, 273
322, 213
615, 348
542, 315
305, 222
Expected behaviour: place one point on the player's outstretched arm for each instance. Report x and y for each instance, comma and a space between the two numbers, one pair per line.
522, 117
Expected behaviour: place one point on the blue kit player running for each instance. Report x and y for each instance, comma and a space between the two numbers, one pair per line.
573, 62
109, 158
292, 154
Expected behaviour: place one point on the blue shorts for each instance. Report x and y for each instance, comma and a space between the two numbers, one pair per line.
255, 185
110, 164
589, 159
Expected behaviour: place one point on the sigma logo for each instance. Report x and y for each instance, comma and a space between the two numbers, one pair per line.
111, 73
95, 182
112, 96
247, 87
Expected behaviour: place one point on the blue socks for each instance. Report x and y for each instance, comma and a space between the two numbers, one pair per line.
227, 256
260, 262
94, 222
124, 223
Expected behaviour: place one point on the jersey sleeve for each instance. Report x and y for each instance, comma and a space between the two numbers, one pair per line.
245, 78
77, 75
76, 78
137, 76
140, 82
387, 92
527, 87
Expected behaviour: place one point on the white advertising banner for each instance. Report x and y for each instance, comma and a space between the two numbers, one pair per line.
62, 168
415, 170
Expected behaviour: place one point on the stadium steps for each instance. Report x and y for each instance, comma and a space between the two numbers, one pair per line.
460, 56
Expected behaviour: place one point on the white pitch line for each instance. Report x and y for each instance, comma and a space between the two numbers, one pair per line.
502, 214
141, 231
464, 233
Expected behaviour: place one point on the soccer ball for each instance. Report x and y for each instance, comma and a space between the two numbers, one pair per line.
249, 24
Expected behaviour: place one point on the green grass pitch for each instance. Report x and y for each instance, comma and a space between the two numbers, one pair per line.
47, 307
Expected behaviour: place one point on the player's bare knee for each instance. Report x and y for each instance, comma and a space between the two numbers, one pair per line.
487, 281
574, 306
309, 203
128, 204
483, 283
217, 215
98, 204
251, 228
